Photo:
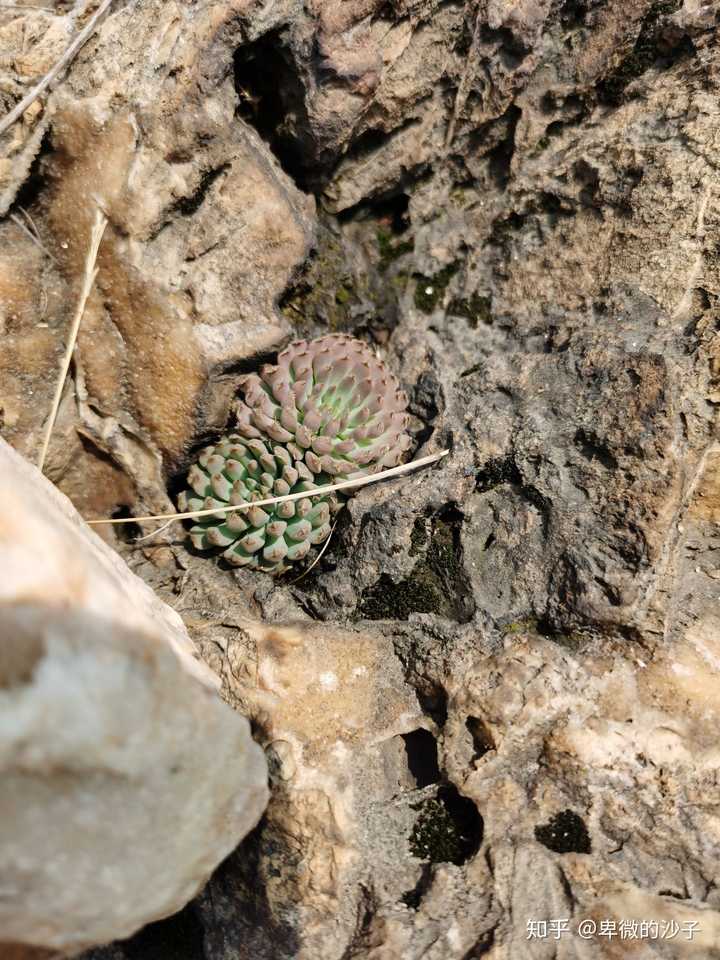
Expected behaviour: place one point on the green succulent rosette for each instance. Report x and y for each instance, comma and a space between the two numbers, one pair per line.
332, 403
236, 471
329, 410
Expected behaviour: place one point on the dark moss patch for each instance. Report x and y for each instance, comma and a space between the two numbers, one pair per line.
496, 472
448, 829
651, 47
430, 290
505, 227
564, 833
240, 886
326, 291
437, 584
476, 309
391, 249
345, 285
418, 537
387, 600
342, 295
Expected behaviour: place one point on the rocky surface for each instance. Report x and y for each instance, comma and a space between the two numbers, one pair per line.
118, 760
517, 203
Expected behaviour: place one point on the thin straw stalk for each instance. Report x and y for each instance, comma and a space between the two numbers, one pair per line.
316, 492
88, 281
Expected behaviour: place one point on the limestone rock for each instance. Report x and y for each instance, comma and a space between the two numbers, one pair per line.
125, 779
517, 206
189, 272
352, 759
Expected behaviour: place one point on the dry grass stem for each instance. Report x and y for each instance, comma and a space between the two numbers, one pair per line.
317, 492
88, 281
154, 533
75, 45
30, 233
317, 558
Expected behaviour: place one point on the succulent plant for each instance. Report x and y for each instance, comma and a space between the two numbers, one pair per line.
328, 411
332, 403
235, 471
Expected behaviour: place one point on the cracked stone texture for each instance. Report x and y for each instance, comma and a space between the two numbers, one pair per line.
518, 204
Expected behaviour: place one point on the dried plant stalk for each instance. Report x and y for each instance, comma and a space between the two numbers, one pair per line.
88, 281
315, 492
80, 40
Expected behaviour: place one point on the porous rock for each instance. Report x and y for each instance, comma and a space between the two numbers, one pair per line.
517, 207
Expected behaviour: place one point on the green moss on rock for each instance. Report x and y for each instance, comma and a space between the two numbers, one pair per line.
435, 836
430, 290
326, 292
389, 249
476, 309
437, 583
448, 829
418, 537
387, 600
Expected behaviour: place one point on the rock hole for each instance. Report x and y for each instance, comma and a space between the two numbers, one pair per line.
390, 210
500, 157
271, 99
433, 700
425, 402
510, 48
593, 449
422, 757
127, 532
658, 45
588, 177
573, 13
564, 833
481, 737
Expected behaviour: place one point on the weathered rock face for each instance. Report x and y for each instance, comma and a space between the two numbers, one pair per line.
118, 761
517, 203
204, 233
